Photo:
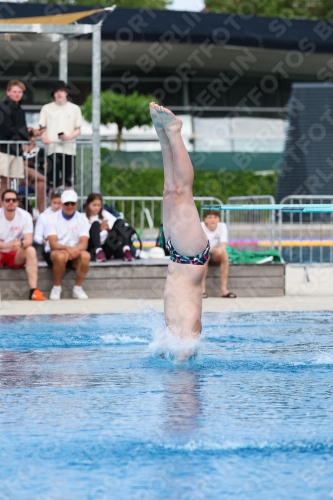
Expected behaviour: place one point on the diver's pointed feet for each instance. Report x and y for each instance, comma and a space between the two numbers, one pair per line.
155, 118
170, 122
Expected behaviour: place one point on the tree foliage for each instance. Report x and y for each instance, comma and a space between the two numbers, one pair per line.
149, 182
306, 9
135, 4
126, 111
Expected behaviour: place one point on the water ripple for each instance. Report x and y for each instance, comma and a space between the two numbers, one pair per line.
91, 410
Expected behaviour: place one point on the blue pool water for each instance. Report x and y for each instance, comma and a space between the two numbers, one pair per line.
89, 412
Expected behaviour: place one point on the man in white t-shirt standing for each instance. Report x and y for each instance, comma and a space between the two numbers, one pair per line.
217, 235
61, 122
68, 234
16, 232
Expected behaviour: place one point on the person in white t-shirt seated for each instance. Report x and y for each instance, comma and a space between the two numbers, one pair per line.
68, 234
16, 233
217, 234
41, 228
105, 244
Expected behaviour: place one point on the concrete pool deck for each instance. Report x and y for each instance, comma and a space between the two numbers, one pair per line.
301, 295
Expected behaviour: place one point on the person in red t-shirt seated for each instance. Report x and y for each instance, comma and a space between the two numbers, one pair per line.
16, 234
217, 235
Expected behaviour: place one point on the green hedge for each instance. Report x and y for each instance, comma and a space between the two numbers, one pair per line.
149, 182
228, 161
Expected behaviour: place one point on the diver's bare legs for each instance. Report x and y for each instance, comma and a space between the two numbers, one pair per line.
184, 227
182, 296
167, 165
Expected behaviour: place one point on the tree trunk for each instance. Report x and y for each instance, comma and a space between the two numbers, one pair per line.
119, 138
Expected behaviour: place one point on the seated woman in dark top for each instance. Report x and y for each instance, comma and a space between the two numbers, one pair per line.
106, 240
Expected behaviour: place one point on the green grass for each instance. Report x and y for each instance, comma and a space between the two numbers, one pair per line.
149, 182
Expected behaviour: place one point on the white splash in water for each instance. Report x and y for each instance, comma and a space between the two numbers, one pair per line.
164, 343
323, 358
246, 445
172, 347
200, 445
123, 339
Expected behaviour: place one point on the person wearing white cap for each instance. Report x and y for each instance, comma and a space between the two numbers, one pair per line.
68, 234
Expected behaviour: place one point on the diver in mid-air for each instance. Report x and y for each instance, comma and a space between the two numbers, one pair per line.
186, 240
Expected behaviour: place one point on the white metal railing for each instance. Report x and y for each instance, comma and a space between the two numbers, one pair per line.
306, 239
33, 174
302, 238
251, 229
137, 209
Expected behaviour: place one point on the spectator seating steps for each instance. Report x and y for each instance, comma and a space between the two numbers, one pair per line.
145, 279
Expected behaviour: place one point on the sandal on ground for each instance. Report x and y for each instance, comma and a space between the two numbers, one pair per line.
229, 295
204, 295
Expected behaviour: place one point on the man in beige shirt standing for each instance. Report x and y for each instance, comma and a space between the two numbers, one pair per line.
61, 123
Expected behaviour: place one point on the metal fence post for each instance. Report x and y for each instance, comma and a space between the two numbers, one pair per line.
63, 60
280, 231
96, 108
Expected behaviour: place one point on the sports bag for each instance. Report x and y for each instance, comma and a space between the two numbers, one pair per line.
127, 236
160, 240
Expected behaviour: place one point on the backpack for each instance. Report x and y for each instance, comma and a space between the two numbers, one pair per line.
110, 208
160, 240
128, 235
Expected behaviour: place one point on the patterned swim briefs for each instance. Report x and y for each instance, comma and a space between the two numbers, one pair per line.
200, 259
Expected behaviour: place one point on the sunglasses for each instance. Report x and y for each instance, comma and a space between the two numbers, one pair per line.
57, 191
7, 200
69, 203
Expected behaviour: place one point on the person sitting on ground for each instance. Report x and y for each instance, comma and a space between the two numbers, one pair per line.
68, 234
217, 235
107, 240
16, 232
186, 240
41, 228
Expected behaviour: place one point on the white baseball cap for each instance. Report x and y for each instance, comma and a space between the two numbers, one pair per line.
68, 195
